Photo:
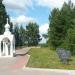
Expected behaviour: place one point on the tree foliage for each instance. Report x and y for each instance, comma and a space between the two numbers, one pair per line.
61, 23
17, 38
33, 34
45, 36
20, 35
3, 16
27, 37
69, 42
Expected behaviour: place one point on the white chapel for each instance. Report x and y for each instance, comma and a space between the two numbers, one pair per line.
7, 42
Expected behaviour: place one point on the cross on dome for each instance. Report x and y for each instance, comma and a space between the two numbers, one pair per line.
7, 20
7, 26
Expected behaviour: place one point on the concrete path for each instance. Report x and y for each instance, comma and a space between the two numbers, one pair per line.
16, 66
30, 71
11, 65
38, 71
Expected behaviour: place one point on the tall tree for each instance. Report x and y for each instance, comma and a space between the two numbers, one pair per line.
16, 33
60, 22
22, 35
54, 32
3, 16
69, 42
33, 34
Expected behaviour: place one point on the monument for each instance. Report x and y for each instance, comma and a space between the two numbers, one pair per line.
7, 42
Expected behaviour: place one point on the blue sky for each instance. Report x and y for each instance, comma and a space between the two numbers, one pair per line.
24, 11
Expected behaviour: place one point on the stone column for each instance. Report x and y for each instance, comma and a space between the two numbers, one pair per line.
14, 47
3, 48
0, 48
6, 49
11, 49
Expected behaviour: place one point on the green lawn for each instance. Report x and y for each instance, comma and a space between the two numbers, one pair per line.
46, 58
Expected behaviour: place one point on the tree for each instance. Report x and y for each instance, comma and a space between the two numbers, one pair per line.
45, 36
3, 16
59, 23
33, 34
69, 42
54, 32
17, 38
22, 35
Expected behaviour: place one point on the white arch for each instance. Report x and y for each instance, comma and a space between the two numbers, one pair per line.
6, 37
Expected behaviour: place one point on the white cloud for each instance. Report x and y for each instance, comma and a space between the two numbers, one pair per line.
18, 4
24, 4
52, 3
22, 19
44, 28
43, 40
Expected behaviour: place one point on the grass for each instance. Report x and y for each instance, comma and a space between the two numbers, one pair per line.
46, 58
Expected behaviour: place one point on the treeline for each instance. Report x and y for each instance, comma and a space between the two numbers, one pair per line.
23, 37
61, 31
27, 37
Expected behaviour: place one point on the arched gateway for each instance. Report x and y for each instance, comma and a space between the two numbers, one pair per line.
7, 43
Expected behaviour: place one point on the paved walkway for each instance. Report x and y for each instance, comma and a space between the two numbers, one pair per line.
37, 71
11, 65
16, 66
